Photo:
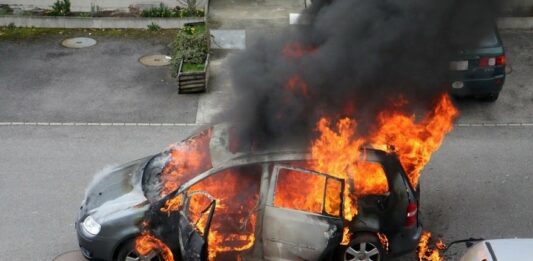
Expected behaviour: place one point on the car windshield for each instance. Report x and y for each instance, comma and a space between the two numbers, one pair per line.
182, 161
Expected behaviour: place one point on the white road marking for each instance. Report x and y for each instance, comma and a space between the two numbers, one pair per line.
120, 124
170, 124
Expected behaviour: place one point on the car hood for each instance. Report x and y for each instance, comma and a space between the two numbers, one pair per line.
115, 188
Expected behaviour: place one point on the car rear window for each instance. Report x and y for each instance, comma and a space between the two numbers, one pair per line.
482, 39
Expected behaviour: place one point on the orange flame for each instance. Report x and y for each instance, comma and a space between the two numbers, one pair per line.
383, 240
296, 50
415, 142
187, 159
147, 243
233, 226
296, 83
426, 252
337, 150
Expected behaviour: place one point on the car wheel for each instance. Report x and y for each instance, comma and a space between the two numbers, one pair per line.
127, 253
364, 247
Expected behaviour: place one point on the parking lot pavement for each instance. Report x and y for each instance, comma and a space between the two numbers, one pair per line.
44, 172
41, 81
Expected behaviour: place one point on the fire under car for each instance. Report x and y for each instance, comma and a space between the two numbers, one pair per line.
253, 205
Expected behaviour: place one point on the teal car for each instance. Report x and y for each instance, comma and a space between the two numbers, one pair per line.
479, 71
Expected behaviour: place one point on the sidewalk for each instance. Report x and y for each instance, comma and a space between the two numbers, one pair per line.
257, 20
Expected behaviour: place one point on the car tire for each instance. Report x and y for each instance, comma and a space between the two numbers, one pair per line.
490, 97
127, 253
364, 246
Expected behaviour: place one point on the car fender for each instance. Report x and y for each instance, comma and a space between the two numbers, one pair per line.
367, 223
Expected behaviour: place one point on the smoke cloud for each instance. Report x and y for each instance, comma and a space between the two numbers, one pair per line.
358, 55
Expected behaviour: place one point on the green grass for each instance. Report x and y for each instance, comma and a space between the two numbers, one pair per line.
193, 67
23, 33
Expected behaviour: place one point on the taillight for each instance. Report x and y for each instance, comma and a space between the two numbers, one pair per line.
501, 60
411, 216
487, 61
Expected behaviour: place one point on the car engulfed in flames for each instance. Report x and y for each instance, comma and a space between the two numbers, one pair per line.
215, 202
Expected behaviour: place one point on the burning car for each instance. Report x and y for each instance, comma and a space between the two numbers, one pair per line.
206, 198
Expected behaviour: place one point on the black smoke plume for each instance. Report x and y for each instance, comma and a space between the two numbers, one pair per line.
359, 54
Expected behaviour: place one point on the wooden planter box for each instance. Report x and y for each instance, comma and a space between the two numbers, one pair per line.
193, 82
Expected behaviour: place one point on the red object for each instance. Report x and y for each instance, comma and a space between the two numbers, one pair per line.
412, 213
484, 61
501, 60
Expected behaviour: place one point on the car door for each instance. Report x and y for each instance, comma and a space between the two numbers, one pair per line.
302, 217
194, 223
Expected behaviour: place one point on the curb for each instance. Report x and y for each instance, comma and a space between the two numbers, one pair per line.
95, 22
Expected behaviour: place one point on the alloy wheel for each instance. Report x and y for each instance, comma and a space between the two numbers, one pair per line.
364, 251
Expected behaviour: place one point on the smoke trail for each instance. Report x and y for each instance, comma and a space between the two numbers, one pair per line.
355, 56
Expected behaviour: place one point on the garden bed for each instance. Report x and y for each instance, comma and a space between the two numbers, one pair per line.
193, 78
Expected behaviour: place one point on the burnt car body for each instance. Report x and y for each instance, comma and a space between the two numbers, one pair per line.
117, 203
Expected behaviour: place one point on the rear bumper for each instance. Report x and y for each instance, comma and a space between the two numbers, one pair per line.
406, 241
478, 87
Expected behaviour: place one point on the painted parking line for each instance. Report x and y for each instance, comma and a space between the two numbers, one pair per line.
106, 124
170, 124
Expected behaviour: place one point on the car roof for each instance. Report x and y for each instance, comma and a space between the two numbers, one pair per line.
221, 154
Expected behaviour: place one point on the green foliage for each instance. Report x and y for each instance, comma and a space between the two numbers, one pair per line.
11, 26
191, 45
164, 11
5, 9
60, 8
193, 67
190, 13
154, 27
161, 11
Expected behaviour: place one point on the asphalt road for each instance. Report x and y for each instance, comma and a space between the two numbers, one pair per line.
44, 82
478, 184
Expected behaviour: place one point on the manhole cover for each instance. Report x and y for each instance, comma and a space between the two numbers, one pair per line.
70, 256
78, 42
155, 60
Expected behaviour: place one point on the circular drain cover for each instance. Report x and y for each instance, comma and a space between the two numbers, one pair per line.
78, 42
155, 60
70, 256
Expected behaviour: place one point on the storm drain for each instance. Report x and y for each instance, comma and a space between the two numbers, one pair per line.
70, 256
155, 60
78, 42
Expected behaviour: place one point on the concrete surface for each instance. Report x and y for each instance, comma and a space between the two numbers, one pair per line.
85, 6
515, 22
228, 39
45, 82
95, 22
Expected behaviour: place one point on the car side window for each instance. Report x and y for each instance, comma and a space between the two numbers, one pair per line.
308, 191
300, 191
333, 198
370, 179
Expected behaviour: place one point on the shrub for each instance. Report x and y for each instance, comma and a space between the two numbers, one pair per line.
191, 45
153, 27
161, 11
60, 8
